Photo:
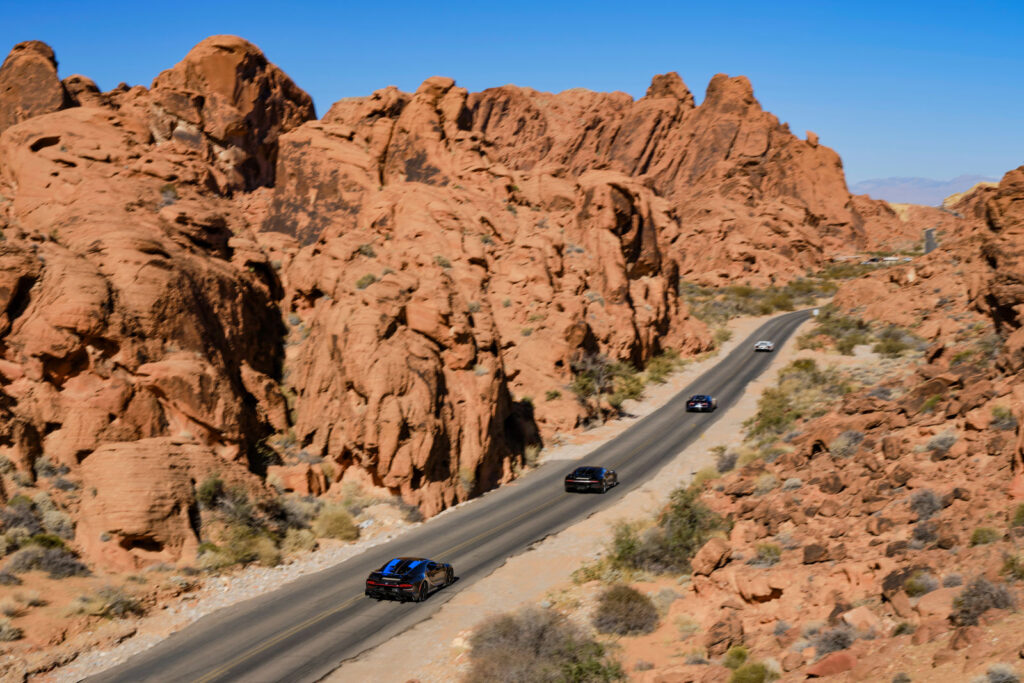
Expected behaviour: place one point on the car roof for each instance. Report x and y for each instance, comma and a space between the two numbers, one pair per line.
583, 468
402, 564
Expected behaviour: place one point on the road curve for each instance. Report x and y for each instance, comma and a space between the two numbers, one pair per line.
305, 629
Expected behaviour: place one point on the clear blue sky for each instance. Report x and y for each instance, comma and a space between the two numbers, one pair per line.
932, 89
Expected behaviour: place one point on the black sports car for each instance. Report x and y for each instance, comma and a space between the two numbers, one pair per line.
701, 403
408, 578
591, 479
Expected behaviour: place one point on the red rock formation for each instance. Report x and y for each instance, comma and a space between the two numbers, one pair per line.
29, 85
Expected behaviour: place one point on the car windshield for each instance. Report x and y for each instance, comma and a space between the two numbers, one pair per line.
588, 472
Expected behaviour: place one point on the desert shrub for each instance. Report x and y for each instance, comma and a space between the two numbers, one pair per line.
735, 657
767, 554
365, 281
31, 599
682, 528
925, 532
9, 631
901, 677
722, 335
781, 628
6, 466
1017, 519
660, 367
940, 444
109, 602
765, 483
984, 535
552, 395
9, 607
951, 580
442, 261
892, 341
57, 522
833, 640
44, 468
1003, 419
753, 672
8, 579
792, 484
536, 645
846, 443
1000, 673
904, 628
931, 403
803, 390
919, 583
335, 522
59, 563
298, 540
531, 454
725, 461
209, 493
19, 514
367, 250
1013, 567
623, 610
925, 504
979, 596
44, 541
704, 475
237, 509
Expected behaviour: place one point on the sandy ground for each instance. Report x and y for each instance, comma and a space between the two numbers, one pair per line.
528, 578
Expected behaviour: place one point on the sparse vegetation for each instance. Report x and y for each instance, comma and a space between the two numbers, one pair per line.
1000, 673
978, 597
846, 444
804, 390
735, 657
443, 261
365, 281
681, 530
925, 503
9, 631
552, 395
919, 583
623, 610
367, 250
335, 522
833, 640
984, 535
58, 563
109, 602
716, 306
725, 460
537, 645
753, 672
940, 444
1003, 419
767, 554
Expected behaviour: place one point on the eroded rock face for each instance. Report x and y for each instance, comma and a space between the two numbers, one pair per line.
29, 85
197, 276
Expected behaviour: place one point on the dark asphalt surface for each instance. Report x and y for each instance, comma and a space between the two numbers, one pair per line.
305, 629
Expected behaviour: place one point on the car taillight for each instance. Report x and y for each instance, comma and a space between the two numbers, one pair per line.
405, 585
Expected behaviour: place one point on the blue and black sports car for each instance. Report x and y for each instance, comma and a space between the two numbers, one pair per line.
591, 479
701, 403
408, 578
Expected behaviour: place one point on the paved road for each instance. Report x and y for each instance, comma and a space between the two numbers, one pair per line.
306, 628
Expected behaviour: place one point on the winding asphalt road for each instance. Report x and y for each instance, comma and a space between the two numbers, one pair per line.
305, 629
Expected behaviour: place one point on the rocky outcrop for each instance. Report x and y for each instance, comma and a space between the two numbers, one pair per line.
29, 85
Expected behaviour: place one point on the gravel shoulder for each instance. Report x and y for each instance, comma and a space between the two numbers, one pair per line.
528, 578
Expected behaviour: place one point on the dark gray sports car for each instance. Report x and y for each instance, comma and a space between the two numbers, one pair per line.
408, 578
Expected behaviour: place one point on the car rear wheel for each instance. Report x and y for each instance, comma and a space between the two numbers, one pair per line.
449, 578
421, 592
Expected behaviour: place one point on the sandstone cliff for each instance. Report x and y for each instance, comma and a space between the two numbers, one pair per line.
198, 277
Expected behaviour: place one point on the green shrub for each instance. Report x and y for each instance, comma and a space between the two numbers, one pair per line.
623, 610
735, 657
919, 583
754, 672
552, 395
442, 261
984, 535
537, 645
722, 335
1013, 567
931, 403
768, 554
681, 529
977, 598
367, 250
1003, 419
335, 522
209, 493
365, 281
660, 367
1017, 520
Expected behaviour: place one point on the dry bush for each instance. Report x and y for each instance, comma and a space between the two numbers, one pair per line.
59, 563
978, 597
623, 610
925, 504
298, 540
536, 646
9, 631
335, 522
833, 640
109, 602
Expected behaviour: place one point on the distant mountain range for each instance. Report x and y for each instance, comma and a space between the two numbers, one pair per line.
927, 191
